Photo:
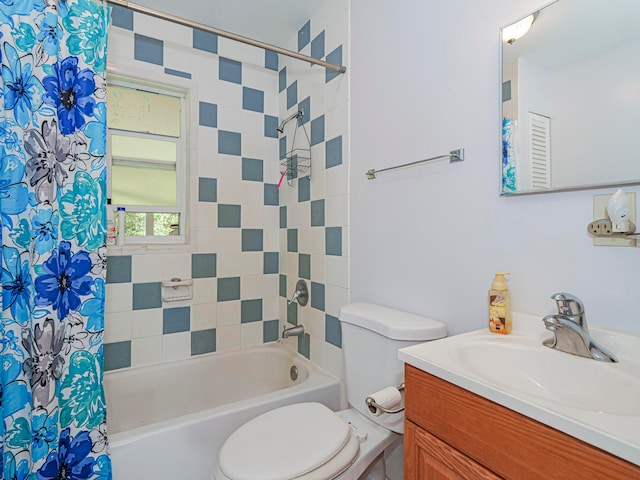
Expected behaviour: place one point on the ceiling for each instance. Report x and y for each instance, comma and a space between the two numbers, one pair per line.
270, 21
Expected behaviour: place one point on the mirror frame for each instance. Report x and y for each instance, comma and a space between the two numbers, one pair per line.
573, 188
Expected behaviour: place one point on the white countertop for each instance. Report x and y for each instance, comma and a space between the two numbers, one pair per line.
606, 416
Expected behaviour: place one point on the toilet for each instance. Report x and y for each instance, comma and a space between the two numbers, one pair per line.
308, 441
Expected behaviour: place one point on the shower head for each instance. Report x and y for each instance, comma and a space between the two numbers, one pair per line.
298, 114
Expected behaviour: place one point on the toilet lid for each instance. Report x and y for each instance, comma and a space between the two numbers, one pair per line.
284, 443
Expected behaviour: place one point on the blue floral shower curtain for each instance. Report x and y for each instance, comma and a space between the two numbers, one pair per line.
53, 217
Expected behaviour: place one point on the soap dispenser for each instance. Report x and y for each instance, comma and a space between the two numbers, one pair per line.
500, 305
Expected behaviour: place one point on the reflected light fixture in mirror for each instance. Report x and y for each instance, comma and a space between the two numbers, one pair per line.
519, 29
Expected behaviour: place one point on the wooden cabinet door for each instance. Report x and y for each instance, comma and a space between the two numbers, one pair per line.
429, 458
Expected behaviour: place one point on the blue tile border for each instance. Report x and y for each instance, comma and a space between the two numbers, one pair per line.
177, 73
304, 346
203, 265
270, 263
317, 130
304, 35
317, 46
228, 289
271, 60
317, 213
252, 169
304, 266
208, 114
271, 194
252, 240
147, 295
147, 49
229, 143
252, 99
122, 17
317, 295
292, 240
270, 332
205, 41
332, 331
117, 355
333, 241
292, 94
207, 189
251, 310
118, 268
334, 57
203, 341
333, 152
229, 216
175, 320
229, 70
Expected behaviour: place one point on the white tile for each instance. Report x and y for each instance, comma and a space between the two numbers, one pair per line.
205, 67
231, 117
146, 351
179, 57
335, 211
337, 271
317, 241
226, 94
228, 313
319, 268
117, 327
147, 268
270, 307
251, 287
314, 325
176, 346
271, 236
336, 183
147, 323
119, 297
270, 286
176, 266
328, 357
162, 30
335, 299
204, 316
304, 214
205, 290
251, 334
204, 214
230, 180
251, 263
228, 338
228, 264
304, 239
204, 240
229, 240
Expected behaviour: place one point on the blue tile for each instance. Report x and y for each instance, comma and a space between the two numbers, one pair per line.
304, 266
292, 167
317, 130
176, 320
292, 240
271, 60
251, 311
283, 285
292, 94
282, 147
118, 268
317, 213
203, 265
228, 289
283, 217
271, 262
271, 194
208, 114
229, 216
229, 143
147, 295
332, 331
304, 189
207, 189
304, 35
252, 240
333, 241
122, 17
230, 70
292, 313
333, 152
205, 41
252, 169
304, 346
334, 57
117, 355
282, 79
317, 295
270, 126
177, 73
252, 99
270, 331
147, 49
506, 91
203, 341
305, 107
317, 46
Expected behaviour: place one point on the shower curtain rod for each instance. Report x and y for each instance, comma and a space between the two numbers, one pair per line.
225, 34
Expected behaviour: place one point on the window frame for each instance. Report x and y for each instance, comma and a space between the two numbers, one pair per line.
182, 160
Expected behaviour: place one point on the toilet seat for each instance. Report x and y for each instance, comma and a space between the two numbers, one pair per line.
304, 441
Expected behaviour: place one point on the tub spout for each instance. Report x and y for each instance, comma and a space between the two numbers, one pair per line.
293, 332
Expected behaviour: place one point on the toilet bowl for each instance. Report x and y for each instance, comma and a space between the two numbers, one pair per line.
308, 441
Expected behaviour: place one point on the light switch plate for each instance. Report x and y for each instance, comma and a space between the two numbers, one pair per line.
600, 203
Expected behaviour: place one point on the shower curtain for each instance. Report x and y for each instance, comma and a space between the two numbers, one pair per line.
53, 217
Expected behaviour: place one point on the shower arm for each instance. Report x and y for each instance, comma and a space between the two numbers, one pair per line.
298, 114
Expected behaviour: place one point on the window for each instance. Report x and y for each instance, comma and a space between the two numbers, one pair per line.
147, 152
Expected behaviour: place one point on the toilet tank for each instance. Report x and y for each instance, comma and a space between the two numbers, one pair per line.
371, 337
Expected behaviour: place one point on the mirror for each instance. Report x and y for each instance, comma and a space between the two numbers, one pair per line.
571, 98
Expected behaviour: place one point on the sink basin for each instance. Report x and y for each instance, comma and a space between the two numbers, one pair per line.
552, 376
597, 402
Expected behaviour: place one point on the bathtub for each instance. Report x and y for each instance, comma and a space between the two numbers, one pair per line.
168, 421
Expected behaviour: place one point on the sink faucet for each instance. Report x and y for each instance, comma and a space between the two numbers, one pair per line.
571, 333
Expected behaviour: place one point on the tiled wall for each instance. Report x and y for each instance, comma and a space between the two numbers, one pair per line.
313, 212
248, 242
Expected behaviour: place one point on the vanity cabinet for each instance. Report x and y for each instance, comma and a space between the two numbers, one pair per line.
451, 433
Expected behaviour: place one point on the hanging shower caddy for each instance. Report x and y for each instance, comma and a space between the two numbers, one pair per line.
296, 162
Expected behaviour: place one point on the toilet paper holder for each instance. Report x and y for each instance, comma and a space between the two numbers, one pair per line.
374, 407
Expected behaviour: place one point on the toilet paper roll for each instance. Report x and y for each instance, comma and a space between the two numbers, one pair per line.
388, 398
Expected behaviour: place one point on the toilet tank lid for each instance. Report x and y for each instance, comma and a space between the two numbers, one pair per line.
391, 323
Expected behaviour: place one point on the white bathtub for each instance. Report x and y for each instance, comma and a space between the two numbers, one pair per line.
167, 421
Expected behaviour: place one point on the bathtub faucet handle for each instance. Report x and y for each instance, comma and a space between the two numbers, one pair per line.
301, 295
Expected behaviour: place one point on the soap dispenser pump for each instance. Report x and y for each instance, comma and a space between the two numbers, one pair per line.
500, 305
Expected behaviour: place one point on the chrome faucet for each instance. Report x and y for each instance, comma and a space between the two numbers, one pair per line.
571, 333
297, 331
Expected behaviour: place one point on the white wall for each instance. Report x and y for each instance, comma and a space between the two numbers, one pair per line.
425, 79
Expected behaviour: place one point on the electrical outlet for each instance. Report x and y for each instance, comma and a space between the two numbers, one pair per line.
600, 203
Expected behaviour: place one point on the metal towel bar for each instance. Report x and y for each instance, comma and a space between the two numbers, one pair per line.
374, 407
453, 156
